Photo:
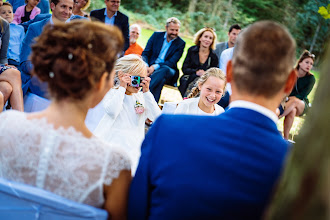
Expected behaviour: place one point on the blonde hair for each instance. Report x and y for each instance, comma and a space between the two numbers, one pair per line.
216, 72
200, 33
131, 64
86, 5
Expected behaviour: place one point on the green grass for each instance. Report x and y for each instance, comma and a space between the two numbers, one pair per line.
146, 34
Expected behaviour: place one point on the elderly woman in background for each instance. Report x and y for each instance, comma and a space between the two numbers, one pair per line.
199, 58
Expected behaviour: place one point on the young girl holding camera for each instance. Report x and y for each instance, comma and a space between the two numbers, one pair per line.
127, 108
209, 89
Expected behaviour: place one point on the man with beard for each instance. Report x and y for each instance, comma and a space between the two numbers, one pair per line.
134, 47
163, 51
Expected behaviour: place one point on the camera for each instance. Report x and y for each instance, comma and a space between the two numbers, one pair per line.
136, 81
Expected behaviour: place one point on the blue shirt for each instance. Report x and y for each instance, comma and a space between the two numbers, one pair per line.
16, 37
163, 51
108, 20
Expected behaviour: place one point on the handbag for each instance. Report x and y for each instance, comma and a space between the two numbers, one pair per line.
183, 84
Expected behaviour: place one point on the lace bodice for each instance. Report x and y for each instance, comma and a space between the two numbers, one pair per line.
62, 161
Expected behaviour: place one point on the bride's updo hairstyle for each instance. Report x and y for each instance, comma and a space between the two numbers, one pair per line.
72, 57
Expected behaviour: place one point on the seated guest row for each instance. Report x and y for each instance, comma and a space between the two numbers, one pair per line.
221, 169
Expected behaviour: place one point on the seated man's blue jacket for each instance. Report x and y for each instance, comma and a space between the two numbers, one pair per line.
37, 18
173, 55
202, 167
34, 85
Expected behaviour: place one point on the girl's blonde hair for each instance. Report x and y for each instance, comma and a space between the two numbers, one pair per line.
131, 64
216, 72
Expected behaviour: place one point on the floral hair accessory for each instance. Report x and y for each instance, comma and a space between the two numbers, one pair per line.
51, 75
70, 56
139, 109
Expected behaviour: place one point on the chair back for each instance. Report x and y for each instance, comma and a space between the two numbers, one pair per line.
21, 201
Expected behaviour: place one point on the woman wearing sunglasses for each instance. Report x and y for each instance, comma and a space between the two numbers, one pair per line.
297, 103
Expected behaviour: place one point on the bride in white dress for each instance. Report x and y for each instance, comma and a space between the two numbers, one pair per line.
53, 149
127, 108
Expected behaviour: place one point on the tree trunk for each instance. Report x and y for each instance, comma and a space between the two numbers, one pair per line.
216, 11
315, 37
192, 6
227, 15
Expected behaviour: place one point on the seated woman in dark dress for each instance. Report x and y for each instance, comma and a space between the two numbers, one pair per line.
199, 58
297, 103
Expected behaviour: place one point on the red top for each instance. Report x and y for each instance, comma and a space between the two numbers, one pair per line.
134, 49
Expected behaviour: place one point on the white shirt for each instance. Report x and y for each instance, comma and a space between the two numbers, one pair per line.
190, 107
226, 55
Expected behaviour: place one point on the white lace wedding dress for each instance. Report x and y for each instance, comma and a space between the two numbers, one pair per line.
62, 161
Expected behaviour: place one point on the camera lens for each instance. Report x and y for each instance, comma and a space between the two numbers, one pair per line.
134, 82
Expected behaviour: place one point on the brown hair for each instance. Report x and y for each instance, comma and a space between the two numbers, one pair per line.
263, 58
216, 72
305, 54
200, 33
72, 57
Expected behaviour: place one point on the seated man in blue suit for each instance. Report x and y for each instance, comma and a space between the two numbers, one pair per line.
224, 167
62, 10
110, 15
163, 51
37, 18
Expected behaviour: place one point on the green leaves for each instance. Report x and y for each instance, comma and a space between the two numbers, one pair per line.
325, 12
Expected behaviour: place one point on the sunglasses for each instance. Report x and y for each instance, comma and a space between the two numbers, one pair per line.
210, 28
310, 54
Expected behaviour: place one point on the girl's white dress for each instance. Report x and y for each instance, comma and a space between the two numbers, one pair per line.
190, 107
60, 160
121, 125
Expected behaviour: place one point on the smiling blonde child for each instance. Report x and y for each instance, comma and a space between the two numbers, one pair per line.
209, 89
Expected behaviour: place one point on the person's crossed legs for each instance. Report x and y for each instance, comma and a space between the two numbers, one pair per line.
158, 79
294, 107
13, 78
5, 91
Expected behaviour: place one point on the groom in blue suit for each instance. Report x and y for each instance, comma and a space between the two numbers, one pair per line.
223, 167
61, 11
163, 51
